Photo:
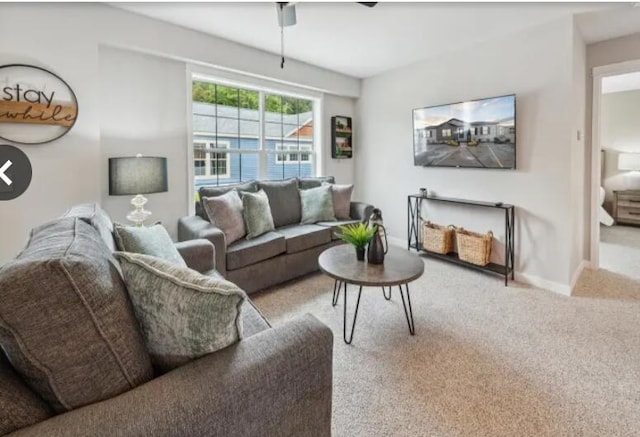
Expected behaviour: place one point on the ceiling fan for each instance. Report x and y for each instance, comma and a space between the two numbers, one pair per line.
287, 17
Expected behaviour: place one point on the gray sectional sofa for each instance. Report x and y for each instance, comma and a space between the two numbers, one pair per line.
290, 251
275, 382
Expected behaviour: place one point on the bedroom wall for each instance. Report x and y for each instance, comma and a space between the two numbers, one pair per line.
72, 40
620, 114
537, 65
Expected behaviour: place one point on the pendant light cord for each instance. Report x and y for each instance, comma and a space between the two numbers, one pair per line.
282, 47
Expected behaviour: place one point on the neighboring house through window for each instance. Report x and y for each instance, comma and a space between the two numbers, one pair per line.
240, 134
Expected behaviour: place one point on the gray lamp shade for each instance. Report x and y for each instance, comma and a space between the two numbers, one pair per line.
137, 175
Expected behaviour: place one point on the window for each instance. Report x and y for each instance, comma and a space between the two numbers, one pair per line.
239, 134
429, 133
293, 158
209, 160
485, 130
460, 131
446, 132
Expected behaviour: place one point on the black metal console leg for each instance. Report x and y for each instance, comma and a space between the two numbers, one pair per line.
384, 292
409, 314
336, 292
355, 316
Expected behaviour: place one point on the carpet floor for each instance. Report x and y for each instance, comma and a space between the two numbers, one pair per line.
620, 250
486, 360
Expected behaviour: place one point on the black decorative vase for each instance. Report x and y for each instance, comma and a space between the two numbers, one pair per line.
360, 253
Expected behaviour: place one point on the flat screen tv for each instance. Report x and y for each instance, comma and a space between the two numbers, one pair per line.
473, 134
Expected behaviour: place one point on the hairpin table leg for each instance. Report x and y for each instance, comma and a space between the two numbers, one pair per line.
384, 292
409, 314
336, 292
355, 316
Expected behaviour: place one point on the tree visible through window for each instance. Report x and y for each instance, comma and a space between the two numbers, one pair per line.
237, 134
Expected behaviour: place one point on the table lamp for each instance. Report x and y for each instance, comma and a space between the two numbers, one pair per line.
137, 175
630, 162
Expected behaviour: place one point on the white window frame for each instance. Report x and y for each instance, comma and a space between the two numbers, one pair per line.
221, 147
287, 150
263, 86
446, 132
488, 130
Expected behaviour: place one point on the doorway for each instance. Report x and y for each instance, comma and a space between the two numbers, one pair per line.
615, 181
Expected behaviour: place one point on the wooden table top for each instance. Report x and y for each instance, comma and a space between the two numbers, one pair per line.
400, 267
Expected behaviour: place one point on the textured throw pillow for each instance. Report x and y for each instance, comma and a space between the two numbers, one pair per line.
342, 200
317, 205
217, 190
284, 201
66, 322
19, 406
306, 183
225, 212
152, 240
257, 214
183, 314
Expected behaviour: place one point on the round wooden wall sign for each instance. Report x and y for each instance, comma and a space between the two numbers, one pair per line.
36, 105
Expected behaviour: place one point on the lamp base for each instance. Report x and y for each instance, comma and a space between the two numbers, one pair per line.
139, 214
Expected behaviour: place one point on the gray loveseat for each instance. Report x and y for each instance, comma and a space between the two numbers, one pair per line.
290, 251
275, 382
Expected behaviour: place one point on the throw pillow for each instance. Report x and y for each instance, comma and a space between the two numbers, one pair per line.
183, 314
342, 200
317, 205
217, 190
152, 240
225, 212
306, 183
284, 201
66, 322
257, 214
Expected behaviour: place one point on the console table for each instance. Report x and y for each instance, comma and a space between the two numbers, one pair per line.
414, 227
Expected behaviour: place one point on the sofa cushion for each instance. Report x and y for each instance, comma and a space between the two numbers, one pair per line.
284, 201
149, 240
19, 406
217, 190
333, 226
252, 320
342, 201
317, 205
256, 213
66, 323
97, 217
306, 183
225, 212
183, 314
303, 237
246, 252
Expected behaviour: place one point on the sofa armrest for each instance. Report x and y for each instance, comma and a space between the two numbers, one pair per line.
195, 227
275, 383
198, 254
360, 211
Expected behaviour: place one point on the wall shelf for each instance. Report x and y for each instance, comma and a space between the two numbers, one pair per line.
414, 226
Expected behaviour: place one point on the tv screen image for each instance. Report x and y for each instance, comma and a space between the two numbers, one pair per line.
473, 134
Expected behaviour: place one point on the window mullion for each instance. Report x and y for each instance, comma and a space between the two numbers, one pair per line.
263, 160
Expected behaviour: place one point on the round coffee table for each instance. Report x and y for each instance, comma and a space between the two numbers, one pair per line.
400, 267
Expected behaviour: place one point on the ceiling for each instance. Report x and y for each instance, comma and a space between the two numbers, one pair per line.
621, 82
362, 42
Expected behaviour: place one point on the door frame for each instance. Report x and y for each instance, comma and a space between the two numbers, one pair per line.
600, 73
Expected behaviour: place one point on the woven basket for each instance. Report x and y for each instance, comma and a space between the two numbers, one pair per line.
473, 247
436, 238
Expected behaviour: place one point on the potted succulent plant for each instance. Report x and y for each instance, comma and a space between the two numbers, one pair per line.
358, 235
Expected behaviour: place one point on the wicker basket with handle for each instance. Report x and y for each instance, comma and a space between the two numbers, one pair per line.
436, 238
473, 247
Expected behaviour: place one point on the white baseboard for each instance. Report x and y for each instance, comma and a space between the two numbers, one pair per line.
534, 281
545, 284
576, 275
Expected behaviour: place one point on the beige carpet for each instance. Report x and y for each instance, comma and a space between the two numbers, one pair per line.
485, 361
620, 250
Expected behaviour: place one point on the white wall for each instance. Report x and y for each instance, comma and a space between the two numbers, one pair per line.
143, 110
70, 40
537, 65
620, 132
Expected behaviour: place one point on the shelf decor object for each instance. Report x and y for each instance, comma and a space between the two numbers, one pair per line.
341, 138
630, 162
414, 225
137, 175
